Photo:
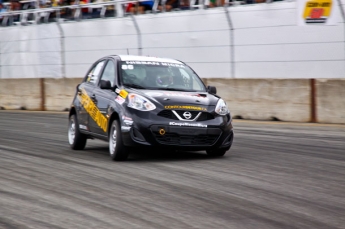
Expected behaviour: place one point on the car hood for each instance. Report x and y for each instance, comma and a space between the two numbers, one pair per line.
178, 98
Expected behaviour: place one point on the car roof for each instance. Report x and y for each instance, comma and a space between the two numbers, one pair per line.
148, 58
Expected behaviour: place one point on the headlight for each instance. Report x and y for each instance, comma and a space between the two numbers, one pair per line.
140, 103
222, 108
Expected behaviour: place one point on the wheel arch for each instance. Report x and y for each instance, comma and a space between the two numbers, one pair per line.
114, 116
72, 111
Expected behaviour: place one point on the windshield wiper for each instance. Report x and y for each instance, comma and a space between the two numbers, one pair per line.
134, 86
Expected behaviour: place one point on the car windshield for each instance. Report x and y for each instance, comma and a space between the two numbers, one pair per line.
159, 76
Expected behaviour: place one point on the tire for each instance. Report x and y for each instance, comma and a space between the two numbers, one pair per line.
216, 152
76, 139
117, 150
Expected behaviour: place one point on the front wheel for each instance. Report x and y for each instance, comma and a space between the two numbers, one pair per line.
76, 139
216, 152
117, 150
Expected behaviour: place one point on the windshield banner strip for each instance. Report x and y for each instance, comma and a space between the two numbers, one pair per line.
153, 63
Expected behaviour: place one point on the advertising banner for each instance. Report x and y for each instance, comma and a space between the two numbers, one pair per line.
317, 12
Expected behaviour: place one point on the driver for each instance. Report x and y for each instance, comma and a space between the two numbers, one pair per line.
164, 80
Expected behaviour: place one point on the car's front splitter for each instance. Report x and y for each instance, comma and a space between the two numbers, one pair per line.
182, 137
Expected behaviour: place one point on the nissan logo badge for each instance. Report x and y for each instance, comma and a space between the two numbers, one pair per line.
187, 115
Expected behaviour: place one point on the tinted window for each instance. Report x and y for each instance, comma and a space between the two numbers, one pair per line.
93, 75
109, 73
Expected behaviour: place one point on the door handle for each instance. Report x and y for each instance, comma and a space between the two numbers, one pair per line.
93, 98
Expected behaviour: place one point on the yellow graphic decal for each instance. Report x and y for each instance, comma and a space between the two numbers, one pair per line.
196, 108
92, 110
317, 11
123, 93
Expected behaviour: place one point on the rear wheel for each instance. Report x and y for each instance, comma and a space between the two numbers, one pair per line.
216, 152
117, 150
76, 139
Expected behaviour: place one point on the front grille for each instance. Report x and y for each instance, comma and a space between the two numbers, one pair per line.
177, 139
167, 114
204, 116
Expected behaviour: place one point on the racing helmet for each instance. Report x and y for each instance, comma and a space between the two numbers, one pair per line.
164, 79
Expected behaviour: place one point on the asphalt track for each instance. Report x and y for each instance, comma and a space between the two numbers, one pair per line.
277, 175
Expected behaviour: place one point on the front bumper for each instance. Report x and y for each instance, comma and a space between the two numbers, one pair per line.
161, 132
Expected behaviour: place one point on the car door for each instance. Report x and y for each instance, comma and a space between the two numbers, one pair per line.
104, 98
85, 95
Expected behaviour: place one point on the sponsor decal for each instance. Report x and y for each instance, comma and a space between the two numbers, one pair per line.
187, 124
143, 62
185, 107
128, 123
126, 118
83, 127
92, 110
123, 94
125, 67
119, 100
125, 128
173, 65
317, 11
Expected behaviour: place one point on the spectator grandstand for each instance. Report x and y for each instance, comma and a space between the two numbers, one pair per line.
13, 12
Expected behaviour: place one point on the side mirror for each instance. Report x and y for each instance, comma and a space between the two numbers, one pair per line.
77, 88
212, 90
105, 84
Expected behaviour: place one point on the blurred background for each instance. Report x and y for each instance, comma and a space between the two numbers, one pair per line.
270, 60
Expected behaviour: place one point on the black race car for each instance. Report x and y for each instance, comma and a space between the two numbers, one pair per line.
136, 101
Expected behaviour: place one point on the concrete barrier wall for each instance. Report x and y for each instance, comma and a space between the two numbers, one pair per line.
259, 99
330, 101
20, 94
59, 93
266, 99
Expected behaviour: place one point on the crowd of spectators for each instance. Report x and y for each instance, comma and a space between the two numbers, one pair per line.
133, 7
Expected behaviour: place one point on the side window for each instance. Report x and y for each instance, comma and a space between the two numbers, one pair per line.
109, 73
190, 80
186, 78
93, 75
196, 85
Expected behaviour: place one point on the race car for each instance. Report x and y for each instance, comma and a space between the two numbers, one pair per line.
138, 101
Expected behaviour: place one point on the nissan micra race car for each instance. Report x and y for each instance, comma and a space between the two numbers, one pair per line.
136, 101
